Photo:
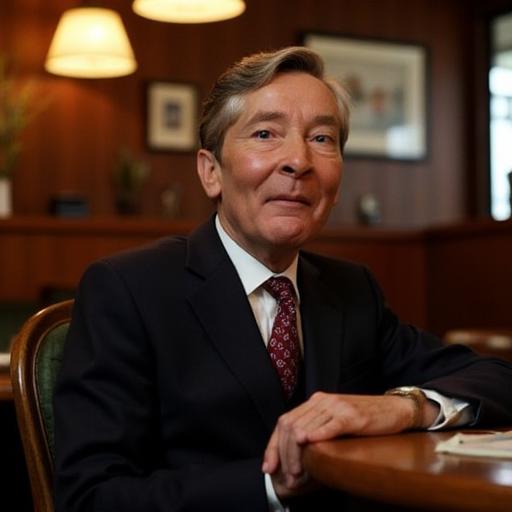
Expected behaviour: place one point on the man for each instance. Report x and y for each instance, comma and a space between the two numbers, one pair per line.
197, 369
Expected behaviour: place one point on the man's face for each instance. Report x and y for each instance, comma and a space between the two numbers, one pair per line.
281, 167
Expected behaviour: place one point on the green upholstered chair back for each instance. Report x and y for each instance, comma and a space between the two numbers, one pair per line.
35, 361
48, 362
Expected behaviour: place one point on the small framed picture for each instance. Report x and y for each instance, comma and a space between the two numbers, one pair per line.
386, 82
171, 116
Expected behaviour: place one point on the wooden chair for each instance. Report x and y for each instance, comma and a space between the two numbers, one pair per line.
35, 360
496, 343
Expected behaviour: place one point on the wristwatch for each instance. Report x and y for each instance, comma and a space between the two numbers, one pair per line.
419, 399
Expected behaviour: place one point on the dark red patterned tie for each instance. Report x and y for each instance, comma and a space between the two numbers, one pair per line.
283, 346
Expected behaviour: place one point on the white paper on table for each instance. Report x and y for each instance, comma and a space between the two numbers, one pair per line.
496, 444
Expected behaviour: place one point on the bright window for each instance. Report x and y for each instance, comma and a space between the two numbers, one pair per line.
500, 87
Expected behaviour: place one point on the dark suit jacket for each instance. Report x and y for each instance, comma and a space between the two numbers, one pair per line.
167, 397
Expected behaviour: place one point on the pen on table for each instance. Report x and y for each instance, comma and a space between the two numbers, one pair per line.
490, 438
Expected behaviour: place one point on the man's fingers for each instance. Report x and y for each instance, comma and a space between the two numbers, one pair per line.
316, 420
271, 455
293, 431
291, 441
283, 448
325, 432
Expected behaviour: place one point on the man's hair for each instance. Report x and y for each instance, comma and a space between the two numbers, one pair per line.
225, 102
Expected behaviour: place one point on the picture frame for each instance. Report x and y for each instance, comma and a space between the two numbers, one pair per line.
387, 85
171, 123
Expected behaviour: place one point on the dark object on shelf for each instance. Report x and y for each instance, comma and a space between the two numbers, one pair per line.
368, 210
69, 206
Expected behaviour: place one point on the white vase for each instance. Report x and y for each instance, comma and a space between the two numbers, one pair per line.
5, 197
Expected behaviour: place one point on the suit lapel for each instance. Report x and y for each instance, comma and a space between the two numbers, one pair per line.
219, 301
322, 328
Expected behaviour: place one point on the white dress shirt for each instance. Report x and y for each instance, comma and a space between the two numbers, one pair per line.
253, 274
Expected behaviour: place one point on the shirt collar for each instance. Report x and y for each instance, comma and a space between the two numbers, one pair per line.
252, 272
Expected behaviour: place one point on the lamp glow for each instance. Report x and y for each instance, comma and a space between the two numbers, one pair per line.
189, 11
90, 42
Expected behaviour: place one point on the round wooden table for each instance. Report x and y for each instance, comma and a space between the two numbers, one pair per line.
405, 470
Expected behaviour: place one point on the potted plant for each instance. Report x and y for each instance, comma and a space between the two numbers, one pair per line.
130, 175
14, 117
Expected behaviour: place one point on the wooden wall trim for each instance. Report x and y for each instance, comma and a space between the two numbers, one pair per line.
451, 276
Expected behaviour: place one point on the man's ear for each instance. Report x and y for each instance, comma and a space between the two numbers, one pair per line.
209, 171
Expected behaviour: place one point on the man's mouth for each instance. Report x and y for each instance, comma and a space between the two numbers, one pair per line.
291, 199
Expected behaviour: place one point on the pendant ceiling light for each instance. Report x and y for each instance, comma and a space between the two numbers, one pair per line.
189, 11
90, 42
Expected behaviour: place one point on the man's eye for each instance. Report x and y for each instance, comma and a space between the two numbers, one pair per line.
262, 134
322, 138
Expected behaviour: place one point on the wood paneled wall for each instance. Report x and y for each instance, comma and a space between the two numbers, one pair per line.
72, 144
456, 276
469, 276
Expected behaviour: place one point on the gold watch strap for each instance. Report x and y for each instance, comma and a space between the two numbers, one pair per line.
419, 399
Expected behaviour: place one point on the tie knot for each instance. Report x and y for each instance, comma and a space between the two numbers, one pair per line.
281, 288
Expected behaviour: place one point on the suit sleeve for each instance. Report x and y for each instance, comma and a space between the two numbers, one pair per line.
414, 357
108, 447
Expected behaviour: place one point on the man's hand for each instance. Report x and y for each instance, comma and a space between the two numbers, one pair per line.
327, 416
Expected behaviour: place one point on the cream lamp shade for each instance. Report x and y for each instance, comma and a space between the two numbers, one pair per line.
189, 11
90, 42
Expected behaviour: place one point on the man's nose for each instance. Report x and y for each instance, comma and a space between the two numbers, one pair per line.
296, 157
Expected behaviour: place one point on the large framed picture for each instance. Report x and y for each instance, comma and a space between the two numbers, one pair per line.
387, 86
171, 116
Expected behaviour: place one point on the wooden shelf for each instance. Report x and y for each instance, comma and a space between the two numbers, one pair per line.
443, 277
146, 226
